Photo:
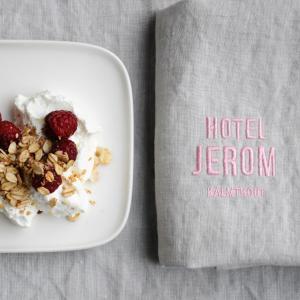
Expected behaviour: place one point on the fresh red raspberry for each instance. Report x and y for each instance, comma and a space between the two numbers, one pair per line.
9, 132
60, 124
40, 181
66, 146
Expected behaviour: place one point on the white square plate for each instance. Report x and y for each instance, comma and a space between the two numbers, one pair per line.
96, 81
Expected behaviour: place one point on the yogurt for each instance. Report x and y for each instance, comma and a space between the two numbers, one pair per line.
32, 111
22, 217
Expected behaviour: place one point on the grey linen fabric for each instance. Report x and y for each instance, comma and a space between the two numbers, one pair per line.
227, 80
126, 268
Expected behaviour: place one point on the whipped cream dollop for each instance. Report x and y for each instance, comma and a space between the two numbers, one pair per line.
22, 217
32, 111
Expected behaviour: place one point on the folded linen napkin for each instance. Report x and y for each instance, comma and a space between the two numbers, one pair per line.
227, 141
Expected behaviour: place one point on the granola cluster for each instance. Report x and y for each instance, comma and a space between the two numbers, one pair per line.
25, 159
31, 157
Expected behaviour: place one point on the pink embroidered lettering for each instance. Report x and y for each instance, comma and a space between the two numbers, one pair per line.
211, 127
266, 167
211, 160
229, 159
197, 170
247, 169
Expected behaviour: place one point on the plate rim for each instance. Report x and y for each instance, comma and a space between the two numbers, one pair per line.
121, 65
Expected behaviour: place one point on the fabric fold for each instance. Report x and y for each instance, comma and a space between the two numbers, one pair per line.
227, 159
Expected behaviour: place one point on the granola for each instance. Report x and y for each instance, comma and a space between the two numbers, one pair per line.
36, 175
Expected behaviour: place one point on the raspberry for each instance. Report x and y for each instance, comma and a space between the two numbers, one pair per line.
9, 132
66, 146
40, 181
60, 124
